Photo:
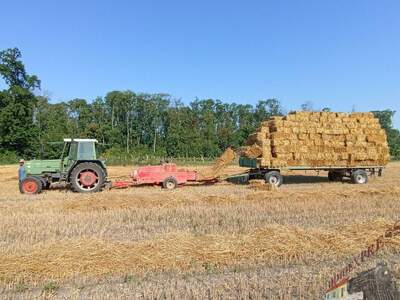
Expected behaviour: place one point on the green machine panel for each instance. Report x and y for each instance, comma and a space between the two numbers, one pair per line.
37, 167
248, 162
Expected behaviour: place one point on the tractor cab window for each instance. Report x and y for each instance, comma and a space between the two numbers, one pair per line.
73, 151
86, 151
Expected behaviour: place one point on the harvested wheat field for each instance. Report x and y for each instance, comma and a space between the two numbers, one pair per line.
214, 241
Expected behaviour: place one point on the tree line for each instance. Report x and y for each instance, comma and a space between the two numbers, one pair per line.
128, 122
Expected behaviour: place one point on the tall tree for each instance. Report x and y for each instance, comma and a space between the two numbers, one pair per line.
17, 104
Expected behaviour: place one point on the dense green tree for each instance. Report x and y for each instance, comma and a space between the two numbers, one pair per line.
385, 118
17, 105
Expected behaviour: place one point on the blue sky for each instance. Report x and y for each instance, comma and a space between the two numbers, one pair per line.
341, 54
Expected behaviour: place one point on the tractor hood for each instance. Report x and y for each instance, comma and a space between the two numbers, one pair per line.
37, 167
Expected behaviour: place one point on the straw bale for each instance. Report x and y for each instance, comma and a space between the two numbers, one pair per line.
283, 156
376, 138
278, 142
264, 161
252, 151
277, 118
362, 115
276, 162
255, 138
341, 115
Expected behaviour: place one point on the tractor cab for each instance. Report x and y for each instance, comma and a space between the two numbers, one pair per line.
77, 150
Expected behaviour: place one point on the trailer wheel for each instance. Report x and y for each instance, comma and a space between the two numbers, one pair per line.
30, 185
334, 176
359, 177
273, 178
170, 183
87, 177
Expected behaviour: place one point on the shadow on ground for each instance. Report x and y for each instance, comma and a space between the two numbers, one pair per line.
298, 179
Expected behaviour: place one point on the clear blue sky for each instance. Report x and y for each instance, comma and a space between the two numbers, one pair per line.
336, 53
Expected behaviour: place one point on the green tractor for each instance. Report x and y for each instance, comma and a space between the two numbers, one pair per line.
78, 167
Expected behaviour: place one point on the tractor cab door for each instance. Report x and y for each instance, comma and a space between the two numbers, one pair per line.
77, 150
71, 149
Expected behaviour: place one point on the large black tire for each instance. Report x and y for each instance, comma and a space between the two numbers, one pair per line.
359, 176
87, 178
170, 183
30, 185
335, 176
274, 178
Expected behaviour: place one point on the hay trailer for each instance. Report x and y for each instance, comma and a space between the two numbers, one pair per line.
273, 176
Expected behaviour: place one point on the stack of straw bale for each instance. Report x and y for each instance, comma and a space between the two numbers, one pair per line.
319, 139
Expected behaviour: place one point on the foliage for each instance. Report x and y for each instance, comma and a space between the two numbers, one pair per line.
385, 118
7, 157
17, 103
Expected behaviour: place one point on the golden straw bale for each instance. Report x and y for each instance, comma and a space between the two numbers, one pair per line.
341, 115
252, 151
362, 116
276, 162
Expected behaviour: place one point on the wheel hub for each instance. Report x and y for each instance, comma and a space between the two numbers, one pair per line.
87, 178
273, 180
360, 179
30, 187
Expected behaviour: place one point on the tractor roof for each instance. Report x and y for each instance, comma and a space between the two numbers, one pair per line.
80, 140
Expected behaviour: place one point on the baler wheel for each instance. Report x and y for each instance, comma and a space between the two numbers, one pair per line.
170, 183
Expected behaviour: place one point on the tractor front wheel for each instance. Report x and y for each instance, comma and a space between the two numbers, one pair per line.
87, 178
30, 185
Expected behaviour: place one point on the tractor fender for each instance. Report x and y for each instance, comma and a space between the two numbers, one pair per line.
41, 178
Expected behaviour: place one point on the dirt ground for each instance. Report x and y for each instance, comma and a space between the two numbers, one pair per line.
200, 241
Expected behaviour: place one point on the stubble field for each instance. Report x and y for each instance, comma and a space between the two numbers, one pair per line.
218, 241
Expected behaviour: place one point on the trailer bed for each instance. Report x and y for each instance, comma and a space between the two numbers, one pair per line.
272, 174
252, 163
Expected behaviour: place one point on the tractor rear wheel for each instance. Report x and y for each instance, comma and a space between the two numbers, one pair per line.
87, 178
30, 185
